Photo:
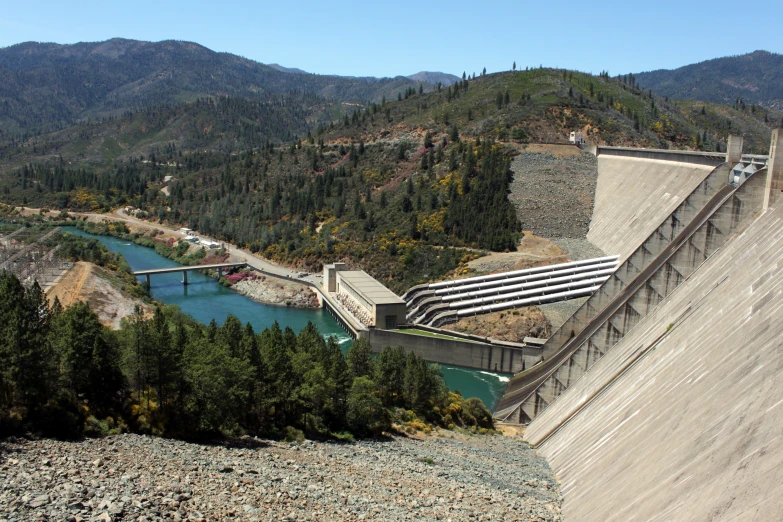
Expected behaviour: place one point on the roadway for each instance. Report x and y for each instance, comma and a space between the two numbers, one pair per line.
243, 255
218, 266
528, 381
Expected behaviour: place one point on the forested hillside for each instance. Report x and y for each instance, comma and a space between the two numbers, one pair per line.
409, 188
63, 374
49, 86
216, 124
756, 78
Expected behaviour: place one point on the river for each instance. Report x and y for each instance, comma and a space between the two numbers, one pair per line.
204, 299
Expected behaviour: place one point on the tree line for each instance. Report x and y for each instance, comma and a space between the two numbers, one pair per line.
64, 374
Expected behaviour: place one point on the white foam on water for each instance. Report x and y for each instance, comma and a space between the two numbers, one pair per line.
501, 378
340, 339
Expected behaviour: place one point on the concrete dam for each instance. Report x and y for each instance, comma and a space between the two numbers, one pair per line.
661, 398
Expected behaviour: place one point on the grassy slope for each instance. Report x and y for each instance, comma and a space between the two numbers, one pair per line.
541, 109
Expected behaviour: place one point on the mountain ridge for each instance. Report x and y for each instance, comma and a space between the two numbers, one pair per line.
444, 79
45, 85
755, 78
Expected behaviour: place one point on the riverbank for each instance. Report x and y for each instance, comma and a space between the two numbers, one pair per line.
205, 299
132, 477
142, 228
278, 292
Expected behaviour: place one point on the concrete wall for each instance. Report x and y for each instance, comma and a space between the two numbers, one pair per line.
774, 188
398, 310
732, 215
458, 353
633, 196
681, 156
682, 419
347, 325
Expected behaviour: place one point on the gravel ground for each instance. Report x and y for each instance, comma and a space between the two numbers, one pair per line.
554, 195
274, 291
558, 313
578, 249
509, 325
133, 477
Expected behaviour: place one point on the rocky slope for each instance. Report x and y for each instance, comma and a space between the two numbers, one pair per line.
510, 325
97, 286
554, 190
132, 477
270, 290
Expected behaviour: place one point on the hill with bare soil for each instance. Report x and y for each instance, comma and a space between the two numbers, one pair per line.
94, 285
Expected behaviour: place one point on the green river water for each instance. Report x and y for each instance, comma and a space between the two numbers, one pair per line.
205, 299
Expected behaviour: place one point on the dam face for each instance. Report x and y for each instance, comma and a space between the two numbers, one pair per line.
634, 195
682, 418
692, 427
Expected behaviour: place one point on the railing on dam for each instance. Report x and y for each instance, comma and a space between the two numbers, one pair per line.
683, 156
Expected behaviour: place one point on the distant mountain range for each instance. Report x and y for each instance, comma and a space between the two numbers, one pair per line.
47, 87
756, 78
291, 70
434, 78
444, 79
45, 84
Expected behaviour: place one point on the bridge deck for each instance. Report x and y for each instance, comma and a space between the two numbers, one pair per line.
188, 268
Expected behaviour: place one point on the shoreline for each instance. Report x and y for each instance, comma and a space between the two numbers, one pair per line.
277, 292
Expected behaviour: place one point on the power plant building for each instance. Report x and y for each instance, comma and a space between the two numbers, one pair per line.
367, 299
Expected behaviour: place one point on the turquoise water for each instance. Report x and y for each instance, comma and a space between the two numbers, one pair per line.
204, 299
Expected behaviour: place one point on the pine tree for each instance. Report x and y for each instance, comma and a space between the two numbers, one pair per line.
359, 359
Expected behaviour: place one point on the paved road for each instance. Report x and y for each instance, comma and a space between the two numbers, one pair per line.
251, 259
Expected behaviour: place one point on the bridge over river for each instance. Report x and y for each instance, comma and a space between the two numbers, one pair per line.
185, 269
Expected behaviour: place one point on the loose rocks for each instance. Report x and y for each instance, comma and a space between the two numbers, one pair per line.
450, 477
554, 195
271, 290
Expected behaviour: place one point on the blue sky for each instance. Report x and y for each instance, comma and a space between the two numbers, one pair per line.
391, 38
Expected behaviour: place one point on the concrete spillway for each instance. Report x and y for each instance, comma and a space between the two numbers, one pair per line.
634, 195
682, 419
695, 230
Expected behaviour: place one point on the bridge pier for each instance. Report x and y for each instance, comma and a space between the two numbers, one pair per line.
220, 268
149, 285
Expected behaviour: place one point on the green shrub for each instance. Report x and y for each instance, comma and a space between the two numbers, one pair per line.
294, 435
61, 418
95, 428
